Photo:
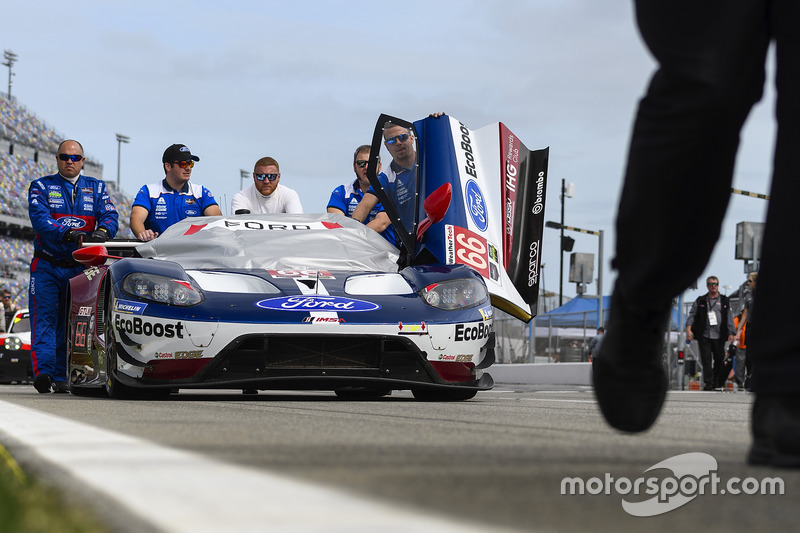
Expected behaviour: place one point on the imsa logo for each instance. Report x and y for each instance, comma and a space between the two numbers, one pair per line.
472, 333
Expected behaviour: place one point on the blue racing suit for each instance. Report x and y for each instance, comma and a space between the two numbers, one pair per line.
55, 207
346, 197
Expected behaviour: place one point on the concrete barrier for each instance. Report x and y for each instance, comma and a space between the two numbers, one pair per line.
543, 373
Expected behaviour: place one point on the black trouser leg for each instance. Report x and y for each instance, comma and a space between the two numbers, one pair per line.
677, 184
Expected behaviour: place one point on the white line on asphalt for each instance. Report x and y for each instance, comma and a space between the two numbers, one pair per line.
180, 491
557, 400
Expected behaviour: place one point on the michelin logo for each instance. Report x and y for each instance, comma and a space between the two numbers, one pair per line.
128, 307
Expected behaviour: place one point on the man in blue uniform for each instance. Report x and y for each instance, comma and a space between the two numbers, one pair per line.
160, 205
64, 208
345, 198
399, 180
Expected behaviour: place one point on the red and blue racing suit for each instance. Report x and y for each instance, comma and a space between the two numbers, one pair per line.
56, 206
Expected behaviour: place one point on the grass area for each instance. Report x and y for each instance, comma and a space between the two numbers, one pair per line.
28, 506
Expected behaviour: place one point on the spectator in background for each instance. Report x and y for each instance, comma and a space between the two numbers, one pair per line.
160, 205
710, 321
65, 209
345, 198
266, 195
7, 310
596, 342
744, 367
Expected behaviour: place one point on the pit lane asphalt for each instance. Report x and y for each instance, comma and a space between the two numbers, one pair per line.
497, 461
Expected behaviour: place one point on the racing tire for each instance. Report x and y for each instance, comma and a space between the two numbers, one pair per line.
114, 388
361, 393
439, 395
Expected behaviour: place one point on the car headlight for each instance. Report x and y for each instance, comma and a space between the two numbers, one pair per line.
162, 289
455, 294
12, 343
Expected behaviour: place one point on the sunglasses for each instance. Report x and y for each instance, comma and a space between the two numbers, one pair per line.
262, 177
6, 297
713, 284
70, 157
184, 164
361, 163
403, 137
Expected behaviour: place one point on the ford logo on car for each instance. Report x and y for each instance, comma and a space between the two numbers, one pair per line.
309, 303
476, 205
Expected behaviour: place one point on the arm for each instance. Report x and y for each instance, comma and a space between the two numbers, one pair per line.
105, 211
293, 204
240, 202
39, 211
380, 222
690, 321
212, 211
364, 207
138, 217
335, 210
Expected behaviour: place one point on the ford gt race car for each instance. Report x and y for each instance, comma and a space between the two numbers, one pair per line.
315, 301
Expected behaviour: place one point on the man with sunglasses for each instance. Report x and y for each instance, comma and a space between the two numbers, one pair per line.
266, 195
7, 311
710, 321
160, 205
398, 180
65, 209
345, 198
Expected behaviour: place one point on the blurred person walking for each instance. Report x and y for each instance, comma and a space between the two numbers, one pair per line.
65, 209
744, 366
683, 148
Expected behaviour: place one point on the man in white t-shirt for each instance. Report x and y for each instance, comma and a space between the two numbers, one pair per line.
266, 195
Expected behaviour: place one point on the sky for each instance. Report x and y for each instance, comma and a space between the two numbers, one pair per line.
304, 81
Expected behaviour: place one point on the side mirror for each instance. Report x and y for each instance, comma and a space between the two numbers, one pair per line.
92, 255
436, 205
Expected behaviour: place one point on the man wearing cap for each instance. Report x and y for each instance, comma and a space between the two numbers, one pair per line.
266, 195
160, 205
65, 209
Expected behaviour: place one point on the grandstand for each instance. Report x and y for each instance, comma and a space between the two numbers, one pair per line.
27, 151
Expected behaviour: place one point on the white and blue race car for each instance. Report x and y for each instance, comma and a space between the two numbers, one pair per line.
302, 302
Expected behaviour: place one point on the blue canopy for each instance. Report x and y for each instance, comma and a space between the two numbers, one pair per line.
582, 312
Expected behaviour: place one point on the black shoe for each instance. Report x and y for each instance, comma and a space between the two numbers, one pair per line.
42, 383
708, 386
776, 431
630, 381
60, 387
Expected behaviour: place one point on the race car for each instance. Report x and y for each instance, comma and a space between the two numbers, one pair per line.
15, 350
302, 302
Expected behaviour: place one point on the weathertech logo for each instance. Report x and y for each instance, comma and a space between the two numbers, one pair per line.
682, 479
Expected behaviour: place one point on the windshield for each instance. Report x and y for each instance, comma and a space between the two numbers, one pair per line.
21, 323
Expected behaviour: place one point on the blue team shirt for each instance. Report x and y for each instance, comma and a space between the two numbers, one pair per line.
346, 197
166, 205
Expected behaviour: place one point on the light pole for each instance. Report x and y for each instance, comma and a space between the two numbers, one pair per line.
120, 139
599, 235
243, 174
11, 58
